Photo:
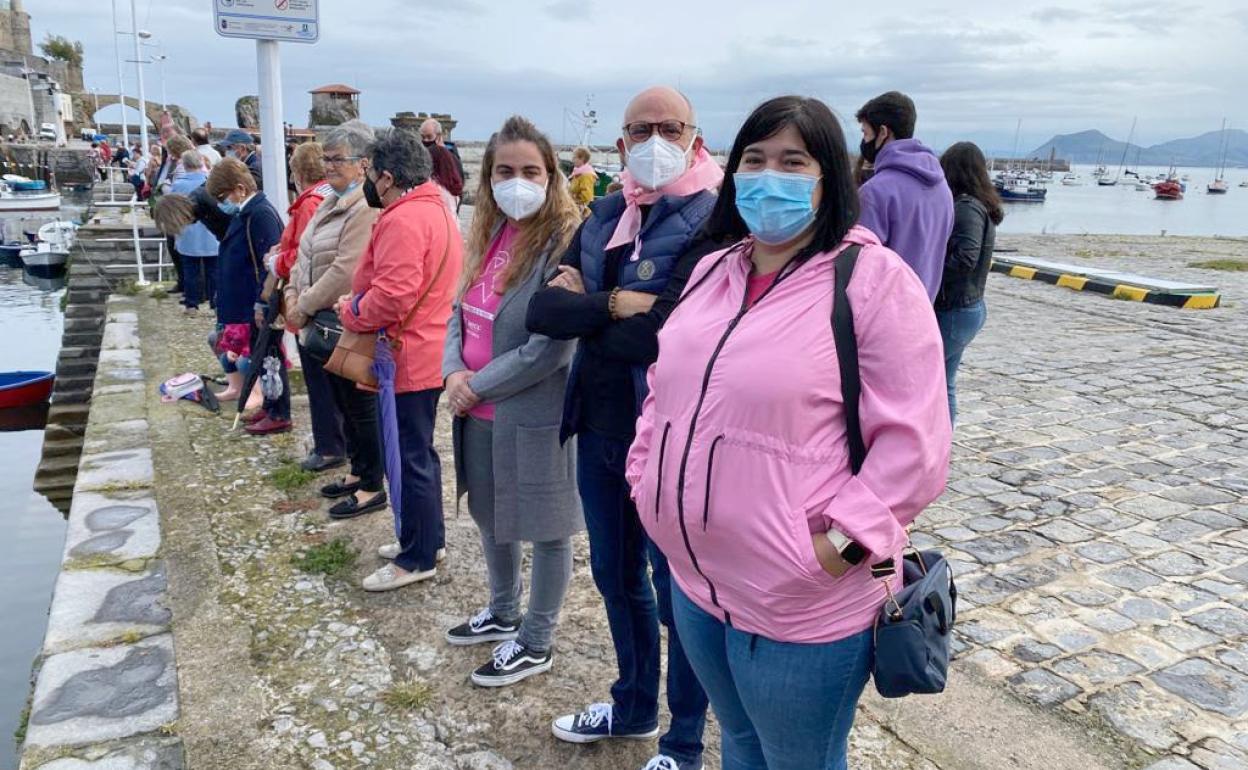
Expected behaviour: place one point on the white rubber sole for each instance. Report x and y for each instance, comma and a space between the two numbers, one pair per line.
399, 582
503, 681
390, 551
571, 737
500, 636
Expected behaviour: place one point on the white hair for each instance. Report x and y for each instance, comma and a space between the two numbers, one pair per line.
192, 160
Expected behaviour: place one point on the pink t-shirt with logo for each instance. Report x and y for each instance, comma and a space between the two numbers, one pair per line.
478, 307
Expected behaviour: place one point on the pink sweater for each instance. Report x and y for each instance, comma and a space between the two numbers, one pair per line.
736, 464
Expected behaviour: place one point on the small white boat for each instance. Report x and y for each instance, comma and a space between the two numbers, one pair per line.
38, 201
1071, 180
59, 233
1143, 184
45, 255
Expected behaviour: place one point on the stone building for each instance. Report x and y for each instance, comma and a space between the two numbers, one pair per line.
412, 120
14, 27
333, 105
33, 89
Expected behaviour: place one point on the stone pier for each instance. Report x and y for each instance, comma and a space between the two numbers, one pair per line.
106, 693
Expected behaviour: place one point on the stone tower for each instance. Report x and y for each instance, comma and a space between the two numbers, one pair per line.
15, 27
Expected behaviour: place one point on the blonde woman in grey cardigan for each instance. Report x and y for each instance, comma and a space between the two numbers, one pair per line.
506, 389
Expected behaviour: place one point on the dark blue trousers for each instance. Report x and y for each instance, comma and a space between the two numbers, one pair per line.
327, 434
420, 528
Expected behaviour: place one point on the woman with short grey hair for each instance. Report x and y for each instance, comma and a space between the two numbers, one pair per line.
403, 287
344, 418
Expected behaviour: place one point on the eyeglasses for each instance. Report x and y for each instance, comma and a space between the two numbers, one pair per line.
671, 130
340, 160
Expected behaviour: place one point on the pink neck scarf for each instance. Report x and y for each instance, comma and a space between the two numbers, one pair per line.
704, 174
585, 169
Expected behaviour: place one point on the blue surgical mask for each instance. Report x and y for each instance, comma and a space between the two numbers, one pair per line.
775, 205
228, 207
350, 187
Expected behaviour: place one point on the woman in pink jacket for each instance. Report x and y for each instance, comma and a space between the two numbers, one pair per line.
740, 469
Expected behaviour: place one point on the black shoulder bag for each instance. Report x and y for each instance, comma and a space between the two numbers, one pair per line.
912, 630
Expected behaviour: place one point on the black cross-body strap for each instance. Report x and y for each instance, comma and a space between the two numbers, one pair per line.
847, 354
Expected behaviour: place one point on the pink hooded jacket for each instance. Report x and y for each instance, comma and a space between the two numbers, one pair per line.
741, 450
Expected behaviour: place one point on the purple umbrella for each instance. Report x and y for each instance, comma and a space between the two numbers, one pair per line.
383, 368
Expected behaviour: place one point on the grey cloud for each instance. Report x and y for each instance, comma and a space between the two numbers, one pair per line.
569, 10
1150, 16
1056, 14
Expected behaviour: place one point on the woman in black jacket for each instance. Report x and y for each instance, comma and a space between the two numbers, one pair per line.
977, 211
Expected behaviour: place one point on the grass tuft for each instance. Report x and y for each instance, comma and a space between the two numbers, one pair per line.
1230, 265
159, 293
290, 477
23, 721
408, 696
332, 558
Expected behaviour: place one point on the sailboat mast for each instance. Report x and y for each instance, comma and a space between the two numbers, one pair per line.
1125, 148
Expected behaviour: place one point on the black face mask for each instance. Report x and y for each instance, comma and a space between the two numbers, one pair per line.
428, 143
371, 196
867, 148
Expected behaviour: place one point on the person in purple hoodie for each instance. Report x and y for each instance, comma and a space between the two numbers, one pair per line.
906, 202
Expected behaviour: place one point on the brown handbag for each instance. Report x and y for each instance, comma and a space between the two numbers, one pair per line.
353, 356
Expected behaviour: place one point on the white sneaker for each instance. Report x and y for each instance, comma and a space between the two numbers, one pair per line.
664, 762
390, 577
392, 550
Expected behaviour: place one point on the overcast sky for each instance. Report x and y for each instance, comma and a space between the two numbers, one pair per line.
974, 67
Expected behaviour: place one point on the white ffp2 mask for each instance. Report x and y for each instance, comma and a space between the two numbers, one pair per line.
656, 162
519, 198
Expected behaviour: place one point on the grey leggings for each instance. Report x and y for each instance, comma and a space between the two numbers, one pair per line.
552, 559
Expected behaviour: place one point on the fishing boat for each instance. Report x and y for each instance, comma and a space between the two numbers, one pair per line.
1169, 190
58, 233
1020, 190
30, 201
1218, 185
24, 184
25, 388
11, 254
45, 255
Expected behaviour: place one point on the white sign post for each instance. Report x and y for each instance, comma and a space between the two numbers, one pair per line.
268, 22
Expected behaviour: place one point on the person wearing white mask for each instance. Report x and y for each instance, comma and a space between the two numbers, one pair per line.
635, 246
505, 387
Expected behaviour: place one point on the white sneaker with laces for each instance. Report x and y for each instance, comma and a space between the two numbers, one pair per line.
392, 550
390, 577
593, 724
662, 762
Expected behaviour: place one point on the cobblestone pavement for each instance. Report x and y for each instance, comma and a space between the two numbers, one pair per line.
1098, 502
1095, 515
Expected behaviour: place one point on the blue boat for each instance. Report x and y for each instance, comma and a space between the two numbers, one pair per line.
1019, 190
24, 184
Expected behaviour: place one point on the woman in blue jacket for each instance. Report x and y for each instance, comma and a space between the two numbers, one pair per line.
255, 227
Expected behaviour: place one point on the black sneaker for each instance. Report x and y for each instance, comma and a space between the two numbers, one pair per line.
593, 724
512, 662
482, 628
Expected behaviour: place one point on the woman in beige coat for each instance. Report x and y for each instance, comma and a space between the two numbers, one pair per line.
328, 251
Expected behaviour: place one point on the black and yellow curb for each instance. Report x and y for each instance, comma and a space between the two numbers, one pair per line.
1204, 301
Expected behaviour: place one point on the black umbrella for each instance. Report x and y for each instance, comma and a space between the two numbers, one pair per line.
263, 344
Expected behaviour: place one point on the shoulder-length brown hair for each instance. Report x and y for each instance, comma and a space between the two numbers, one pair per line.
554, 224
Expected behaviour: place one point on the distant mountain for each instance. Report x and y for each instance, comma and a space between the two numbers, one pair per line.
1087, 146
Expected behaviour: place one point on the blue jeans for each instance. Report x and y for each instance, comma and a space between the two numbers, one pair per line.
618, 551
780, 705
419, 525
957, 328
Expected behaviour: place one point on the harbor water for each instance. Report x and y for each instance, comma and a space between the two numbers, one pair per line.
1123, 210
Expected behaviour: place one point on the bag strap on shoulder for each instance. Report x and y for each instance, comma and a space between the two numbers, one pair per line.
851, 377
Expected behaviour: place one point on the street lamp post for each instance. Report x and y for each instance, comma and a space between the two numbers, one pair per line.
138, 69
121, 83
